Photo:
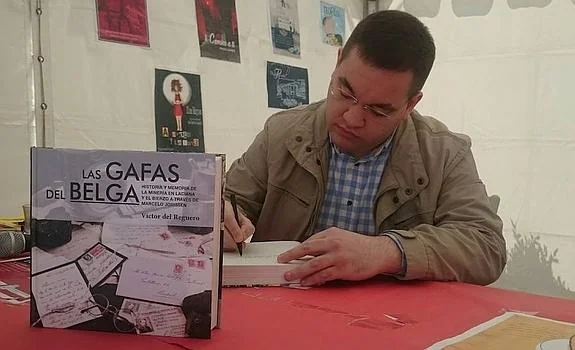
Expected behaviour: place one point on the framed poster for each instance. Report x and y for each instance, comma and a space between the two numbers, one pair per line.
123, 21
178, 112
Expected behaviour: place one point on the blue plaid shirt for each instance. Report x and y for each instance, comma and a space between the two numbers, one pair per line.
351, 188
350, 195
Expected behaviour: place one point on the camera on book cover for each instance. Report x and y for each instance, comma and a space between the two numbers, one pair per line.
50, 234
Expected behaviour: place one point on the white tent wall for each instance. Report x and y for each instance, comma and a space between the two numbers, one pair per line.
503, 77
16, 97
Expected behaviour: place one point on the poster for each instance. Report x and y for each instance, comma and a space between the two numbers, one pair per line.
218, 29
285, 27
123, 21
288, 86
178, 111
332, 24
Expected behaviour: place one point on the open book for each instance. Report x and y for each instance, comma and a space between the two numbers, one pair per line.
126, 241
258, 265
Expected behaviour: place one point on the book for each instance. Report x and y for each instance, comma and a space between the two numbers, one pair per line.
258, 266
126, 241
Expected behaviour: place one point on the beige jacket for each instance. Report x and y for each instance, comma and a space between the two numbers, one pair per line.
430, 194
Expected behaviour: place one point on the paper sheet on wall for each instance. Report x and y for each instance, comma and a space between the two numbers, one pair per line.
284, 23
513, 331
123, 21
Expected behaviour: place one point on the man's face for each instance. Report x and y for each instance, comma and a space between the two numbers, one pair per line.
357, 130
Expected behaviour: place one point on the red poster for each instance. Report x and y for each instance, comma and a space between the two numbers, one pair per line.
218, 29
124, 21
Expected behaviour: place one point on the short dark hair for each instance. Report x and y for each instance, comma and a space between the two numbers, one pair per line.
394, 40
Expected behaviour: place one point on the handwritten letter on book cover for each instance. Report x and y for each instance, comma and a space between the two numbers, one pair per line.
125, 239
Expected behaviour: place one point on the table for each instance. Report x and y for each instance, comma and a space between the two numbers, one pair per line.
368, 315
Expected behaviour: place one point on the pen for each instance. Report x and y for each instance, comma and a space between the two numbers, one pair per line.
235, 207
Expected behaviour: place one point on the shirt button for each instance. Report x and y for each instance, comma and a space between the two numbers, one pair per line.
420, 181
349, 202
395, 200
408, 191
298, 138
318, 162
308, 149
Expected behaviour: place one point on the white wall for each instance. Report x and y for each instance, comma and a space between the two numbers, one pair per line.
506, 80
15, 105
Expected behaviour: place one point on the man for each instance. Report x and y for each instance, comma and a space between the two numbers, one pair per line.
370, 186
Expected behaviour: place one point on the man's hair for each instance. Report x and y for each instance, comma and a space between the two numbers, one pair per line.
394, 40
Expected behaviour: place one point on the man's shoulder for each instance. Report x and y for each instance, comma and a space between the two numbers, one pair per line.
430, 129
284, 120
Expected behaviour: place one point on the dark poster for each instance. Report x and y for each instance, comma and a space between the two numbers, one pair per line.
218, 29
123, 21
179, 115
287, 86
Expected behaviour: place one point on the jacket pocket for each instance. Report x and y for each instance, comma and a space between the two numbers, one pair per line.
285, 216
284, 192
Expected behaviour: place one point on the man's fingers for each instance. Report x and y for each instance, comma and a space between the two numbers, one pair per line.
247, 227
320, 277
310, 247
309, 268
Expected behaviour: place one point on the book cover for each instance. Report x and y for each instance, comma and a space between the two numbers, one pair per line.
126, 241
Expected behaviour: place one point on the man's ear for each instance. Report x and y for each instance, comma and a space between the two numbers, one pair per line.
413, 101
339, 56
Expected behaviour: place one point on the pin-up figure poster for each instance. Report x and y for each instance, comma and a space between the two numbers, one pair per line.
218, 34
284, 22
179, 115
332, 24
123, 21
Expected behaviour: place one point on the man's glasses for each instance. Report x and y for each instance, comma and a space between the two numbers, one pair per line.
343, 94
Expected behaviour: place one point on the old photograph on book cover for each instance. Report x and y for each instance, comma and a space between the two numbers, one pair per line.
122, 240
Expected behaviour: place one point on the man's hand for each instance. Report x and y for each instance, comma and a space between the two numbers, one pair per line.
344, 255
235, 232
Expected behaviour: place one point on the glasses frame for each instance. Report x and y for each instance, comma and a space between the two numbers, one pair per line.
342, 93
103, 307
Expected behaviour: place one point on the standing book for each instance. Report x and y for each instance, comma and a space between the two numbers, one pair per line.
126, 241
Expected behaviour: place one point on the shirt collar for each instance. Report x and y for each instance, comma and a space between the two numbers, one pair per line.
373, 154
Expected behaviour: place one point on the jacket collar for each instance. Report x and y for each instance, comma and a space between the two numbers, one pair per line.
404, 171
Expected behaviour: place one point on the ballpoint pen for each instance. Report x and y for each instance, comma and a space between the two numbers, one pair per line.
235, 207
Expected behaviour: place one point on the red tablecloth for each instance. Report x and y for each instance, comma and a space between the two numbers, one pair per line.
345, 316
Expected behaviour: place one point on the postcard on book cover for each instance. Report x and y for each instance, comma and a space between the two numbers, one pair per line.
118, 228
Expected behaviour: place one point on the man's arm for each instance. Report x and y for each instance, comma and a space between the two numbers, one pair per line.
247, 177
466, 242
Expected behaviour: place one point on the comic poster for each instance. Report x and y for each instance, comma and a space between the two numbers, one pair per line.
332, 24
287, 86
123, 21
178, 112
218, 29
285, 27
